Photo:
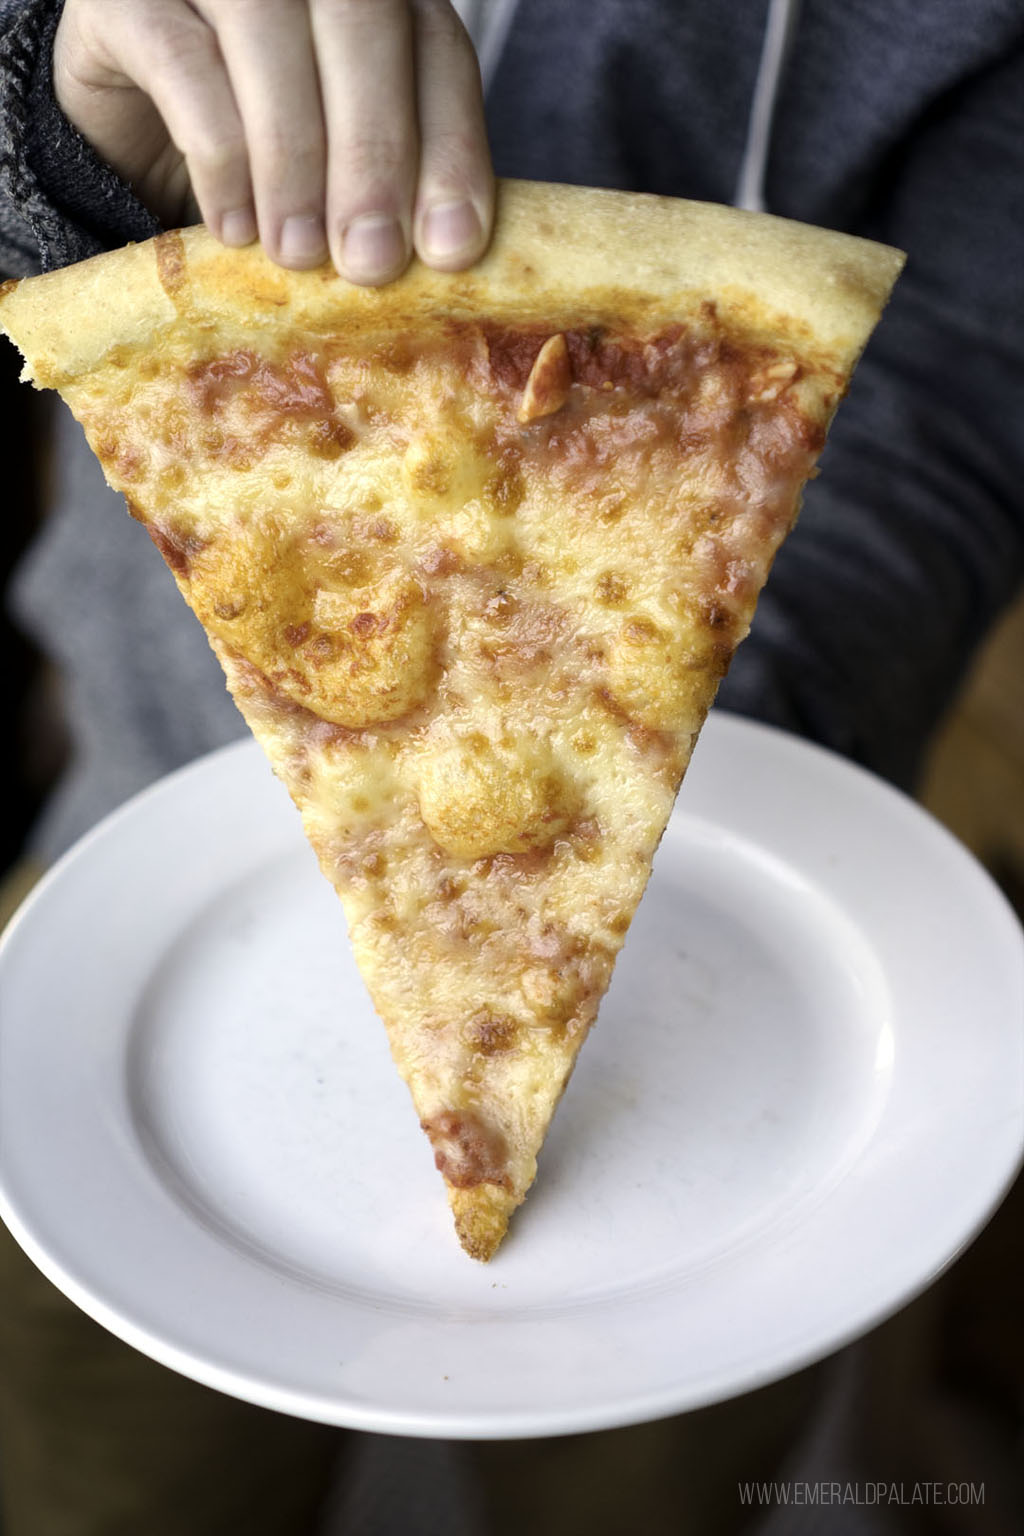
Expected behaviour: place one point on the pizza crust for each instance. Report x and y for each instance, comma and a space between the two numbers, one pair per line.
583, 252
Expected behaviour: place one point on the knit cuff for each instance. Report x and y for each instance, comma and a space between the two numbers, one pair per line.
71, 203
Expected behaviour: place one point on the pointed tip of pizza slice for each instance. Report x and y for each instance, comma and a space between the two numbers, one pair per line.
487, 1153
481, 1217
475, 551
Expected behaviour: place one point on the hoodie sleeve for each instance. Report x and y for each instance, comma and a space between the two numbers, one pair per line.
59, 202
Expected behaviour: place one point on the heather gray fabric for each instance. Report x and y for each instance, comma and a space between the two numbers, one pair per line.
142, 691
58, 202
902, 119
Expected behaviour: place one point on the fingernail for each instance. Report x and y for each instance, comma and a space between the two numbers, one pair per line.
373, 248
450, 230
238, 227
303, 242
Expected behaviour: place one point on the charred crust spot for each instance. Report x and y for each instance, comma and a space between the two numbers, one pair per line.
170, 262
296, 634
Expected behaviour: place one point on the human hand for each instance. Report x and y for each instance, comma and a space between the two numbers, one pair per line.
349, 128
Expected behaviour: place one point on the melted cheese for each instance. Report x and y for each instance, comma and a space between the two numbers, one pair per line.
475, 612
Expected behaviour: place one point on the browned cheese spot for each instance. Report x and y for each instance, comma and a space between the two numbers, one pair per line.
355, 655
611, 590
242, 402
467, 1149
478, 797
491, 1033
564, 978
654, 678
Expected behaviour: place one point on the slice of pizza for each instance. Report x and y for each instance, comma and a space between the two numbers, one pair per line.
474, 550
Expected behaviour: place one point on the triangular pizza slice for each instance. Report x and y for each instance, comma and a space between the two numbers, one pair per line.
474, 550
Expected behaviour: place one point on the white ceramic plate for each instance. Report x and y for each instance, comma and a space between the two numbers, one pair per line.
802, 1098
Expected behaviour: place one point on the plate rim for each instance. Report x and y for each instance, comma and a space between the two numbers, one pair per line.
515, 1423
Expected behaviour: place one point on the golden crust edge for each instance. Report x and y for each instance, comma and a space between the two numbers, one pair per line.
482, 1214
557, 249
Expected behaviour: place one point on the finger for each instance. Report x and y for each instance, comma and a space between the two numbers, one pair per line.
364, 52
171, 53
455, 197
268, 51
